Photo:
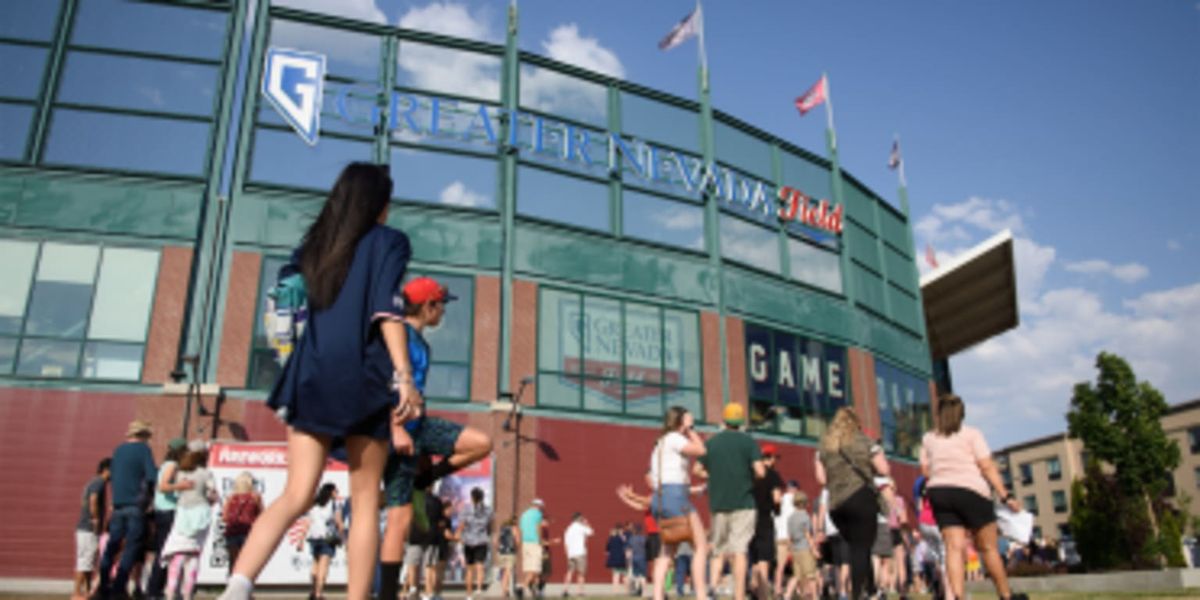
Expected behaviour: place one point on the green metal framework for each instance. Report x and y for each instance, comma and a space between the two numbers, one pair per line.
224, 209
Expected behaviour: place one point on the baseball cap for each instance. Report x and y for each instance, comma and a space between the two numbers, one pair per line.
733, 414
426, 289
176, 443
769, 449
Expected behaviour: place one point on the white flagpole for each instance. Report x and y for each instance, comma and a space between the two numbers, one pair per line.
900, 167
829, 110
700, 47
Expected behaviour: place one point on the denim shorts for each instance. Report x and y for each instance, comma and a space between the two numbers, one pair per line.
321, 548
672, 502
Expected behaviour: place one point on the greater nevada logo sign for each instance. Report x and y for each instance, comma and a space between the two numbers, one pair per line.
294, 82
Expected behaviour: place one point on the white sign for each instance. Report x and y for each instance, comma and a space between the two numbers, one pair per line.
267, 463
294, 82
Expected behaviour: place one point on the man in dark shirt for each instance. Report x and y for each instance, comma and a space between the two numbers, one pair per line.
768, 491
87, 530
731, 463
133, 474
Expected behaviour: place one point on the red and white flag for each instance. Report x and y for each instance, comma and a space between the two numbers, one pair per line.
930, 256
894, 158
813, 97
686, 29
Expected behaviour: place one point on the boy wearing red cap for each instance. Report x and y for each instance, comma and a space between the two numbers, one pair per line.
416, 435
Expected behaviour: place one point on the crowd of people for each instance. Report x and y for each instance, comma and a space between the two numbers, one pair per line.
352, 387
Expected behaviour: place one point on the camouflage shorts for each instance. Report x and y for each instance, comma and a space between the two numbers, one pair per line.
434, 437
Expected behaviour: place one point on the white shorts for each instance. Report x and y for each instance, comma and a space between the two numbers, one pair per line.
86, 546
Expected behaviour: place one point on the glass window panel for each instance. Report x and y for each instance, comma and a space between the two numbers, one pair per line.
440, 69
564, 199
361, 123
263, 368
442, 178
552, 92
127, 142
124, 295
559, 347
741, 149
643, 400
815, 266
601, 337
689, 399
448, 381
644, 348
749, 243
602, 395
452, 339
106, 360
762, 415
663, 221
62, 292
347, 53
23, 69
359, 11
283, 157
682, 330
29, 19
49, 358
14, 133
558, 391
16, 271
150, 27
139, 83
8, 352
643, 118
808, 177
433, 120
563, 145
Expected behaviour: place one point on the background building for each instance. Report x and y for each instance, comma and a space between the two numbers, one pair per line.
1040, 472
149, 193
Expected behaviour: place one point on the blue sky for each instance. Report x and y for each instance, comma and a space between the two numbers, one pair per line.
1074, 123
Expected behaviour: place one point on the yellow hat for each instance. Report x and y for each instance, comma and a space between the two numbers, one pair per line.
733, 414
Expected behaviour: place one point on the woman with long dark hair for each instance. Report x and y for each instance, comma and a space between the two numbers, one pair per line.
336, 385
671, 485
846, 462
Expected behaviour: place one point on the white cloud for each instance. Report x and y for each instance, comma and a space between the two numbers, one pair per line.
448, 18
679, 219
1018, 385
1174, 245
549, 91
1128, 272
458, 194
567, 45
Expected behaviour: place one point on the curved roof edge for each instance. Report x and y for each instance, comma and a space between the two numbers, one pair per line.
971, 298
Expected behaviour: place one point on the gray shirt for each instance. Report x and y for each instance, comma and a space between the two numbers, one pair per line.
202, 488
477, 524
798, 525
95, 486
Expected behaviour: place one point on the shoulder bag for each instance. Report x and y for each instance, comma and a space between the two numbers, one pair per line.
883, 508
675, 529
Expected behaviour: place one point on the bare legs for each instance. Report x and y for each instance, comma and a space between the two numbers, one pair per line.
985, 543
367, 457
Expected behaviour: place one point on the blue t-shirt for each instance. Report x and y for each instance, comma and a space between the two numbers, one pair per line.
531, 524
418, 355
132, 464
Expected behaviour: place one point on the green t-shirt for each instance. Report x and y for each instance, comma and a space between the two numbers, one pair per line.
729, 461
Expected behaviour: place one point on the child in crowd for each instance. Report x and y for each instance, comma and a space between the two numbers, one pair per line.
804, 550
193, 515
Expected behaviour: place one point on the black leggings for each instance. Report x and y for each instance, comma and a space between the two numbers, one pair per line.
855, 519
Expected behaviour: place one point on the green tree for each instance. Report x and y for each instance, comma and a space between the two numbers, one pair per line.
1118, 421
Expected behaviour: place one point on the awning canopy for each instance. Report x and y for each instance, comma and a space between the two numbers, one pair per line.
971, 298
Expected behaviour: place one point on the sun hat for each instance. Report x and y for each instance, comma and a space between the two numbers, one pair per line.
138, 427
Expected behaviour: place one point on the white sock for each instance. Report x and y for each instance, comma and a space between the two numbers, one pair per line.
238, 587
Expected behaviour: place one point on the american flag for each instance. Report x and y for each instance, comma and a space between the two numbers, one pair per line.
930, 256
686, 29
894, 158
813, 97
298, 531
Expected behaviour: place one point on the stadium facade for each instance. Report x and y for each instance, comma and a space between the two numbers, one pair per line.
617, 250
